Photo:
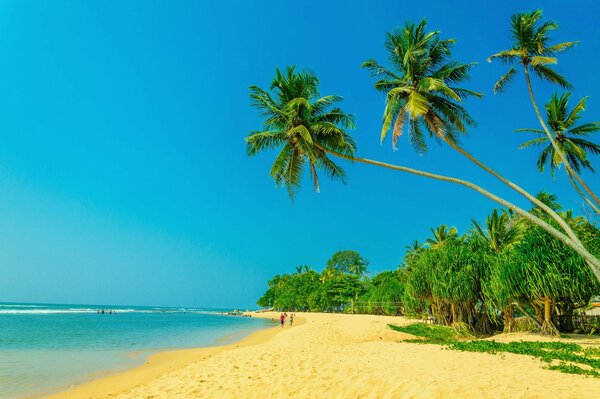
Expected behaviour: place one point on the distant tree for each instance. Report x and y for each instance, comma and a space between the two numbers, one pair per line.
384, 295
551, 200
442, 234
348, 261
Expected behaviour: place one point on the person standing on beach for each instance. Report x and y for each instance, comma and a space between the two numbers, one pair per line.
291, 319
282, 319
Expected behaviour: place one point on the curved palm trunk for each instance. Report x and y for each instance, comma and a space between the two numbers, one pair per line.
577, 247
587, 200
568, 166
518, 189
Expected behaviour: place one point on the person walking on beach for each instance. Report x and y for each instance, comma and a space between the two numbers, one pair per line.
282, 319
291, 319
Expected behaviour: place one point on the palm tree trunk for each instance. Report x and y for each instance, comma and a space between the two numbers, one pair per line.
587, 200
568, 166
518, 189
593, 263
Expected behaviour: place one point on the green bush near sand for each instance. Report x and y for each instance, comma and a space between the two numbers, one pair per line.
561, 356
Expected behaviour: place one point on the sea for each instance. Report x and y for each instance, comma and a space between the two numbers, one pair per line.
46, 348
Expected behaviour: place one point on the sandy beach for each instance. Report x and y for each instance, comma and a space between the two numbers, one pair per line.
337, 356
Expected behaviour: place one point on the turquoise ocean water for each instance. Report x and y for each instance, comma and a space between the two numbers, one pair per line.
45, 348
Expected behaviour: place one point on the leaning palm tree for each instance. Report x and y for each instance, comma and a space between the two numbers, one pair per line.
308, 129
532, 51
442, 234
304, 125
423, 96
568, 138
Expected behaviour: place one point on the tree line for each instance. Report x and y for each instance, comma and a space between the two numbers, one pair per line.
501, 267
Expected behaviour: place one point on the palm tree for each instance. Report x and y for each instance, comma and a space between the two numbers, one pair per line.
304, 125
308, 129
500, 231
567, 137
422, 93
531, 49
549, 199
441, 235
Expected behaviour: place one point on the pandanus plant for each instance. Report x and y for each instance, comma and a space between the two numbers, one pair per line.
500, 232
531, 51
308, 129
542, 273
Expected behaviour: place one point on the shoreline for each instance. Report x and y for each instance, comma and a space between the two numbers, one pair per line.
155, 365
338, 355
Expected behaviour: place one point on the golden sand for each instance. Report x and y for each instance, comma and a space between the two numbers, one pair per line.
337, 356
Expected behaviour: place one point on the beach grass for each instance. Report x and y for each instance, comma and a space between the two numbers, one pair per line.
565, 357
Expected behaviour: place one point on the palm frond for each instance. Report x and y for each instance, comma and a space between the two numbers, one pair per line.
585, 129
258, 141
574, 114
504, 80
530, 130
560, 47
548, 74
529, 143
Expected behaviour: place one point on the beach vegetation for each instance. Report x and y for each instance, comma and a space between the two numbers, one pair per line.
503, 274
561, 356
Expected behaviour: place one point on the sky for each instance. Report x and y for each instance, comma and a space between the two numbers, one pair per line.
123, 172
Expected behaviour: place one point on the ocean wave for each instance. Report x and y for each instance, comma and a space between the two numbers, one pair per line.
45, 311
90, 311
6, 305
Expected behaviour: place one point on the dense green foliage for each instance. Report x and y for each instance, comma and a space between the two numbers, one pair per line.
500, 269
571, 356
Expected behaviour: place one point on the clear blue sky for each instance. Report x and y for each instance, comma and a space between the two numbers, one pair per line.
123, 173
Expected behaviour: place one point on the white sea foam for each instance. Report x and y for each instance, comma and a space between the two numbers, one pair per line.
59, 311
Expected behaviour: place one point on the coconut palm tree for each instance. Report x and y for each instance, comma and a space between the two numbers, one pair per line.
308, 129
423, 96
304, 125
549, 199
532, 51
441, 235
500, 230
568, 138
